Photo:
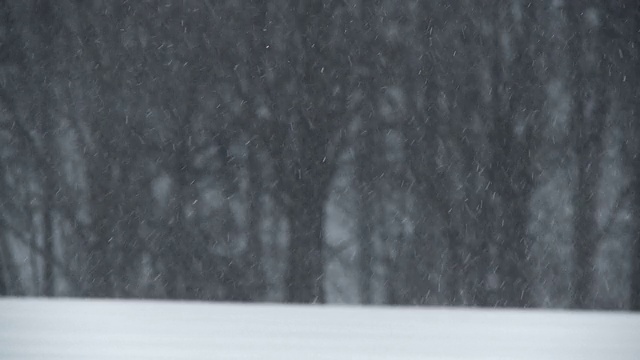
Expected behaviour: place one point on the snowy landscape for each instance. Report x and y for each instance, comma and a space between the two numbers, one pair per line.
115, 329
320, 179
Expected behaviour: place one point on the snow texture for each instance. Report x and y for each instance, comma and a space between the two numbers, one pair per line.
118, 329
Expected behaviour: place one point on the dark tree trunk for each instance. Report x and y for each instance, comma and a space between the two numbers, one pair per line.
307, 181
509, 171
309, 166
634, 102
4, 268
457, 281
587, 127
365, 169
254, 274
45, 13
366, 165
49, 183
98, 276
509, 178
635, 276
305, 270
365, 229
584, 233
369, 157
48, 248
635, 251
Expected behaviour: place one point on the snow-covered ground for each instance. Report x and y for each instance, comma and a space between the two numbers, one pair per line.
108, 329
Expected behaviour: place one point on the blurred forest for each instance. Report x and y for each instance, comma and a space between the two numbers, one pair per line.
346, 151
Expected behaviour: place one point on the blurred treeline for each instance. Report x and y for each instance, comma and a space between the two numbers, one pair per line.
400, 152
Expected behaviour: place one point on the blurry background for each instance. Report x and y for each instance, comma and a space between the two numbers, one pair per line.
387, 152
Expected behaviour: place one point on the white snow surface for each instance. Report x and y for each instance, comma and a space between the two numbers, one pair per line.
134, 329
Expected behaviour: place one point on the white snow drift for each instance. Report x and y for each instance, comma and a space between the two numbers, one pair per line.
115, 329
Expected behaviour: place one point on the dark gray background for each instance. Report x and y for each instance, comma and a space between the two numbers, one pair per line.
398, 152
